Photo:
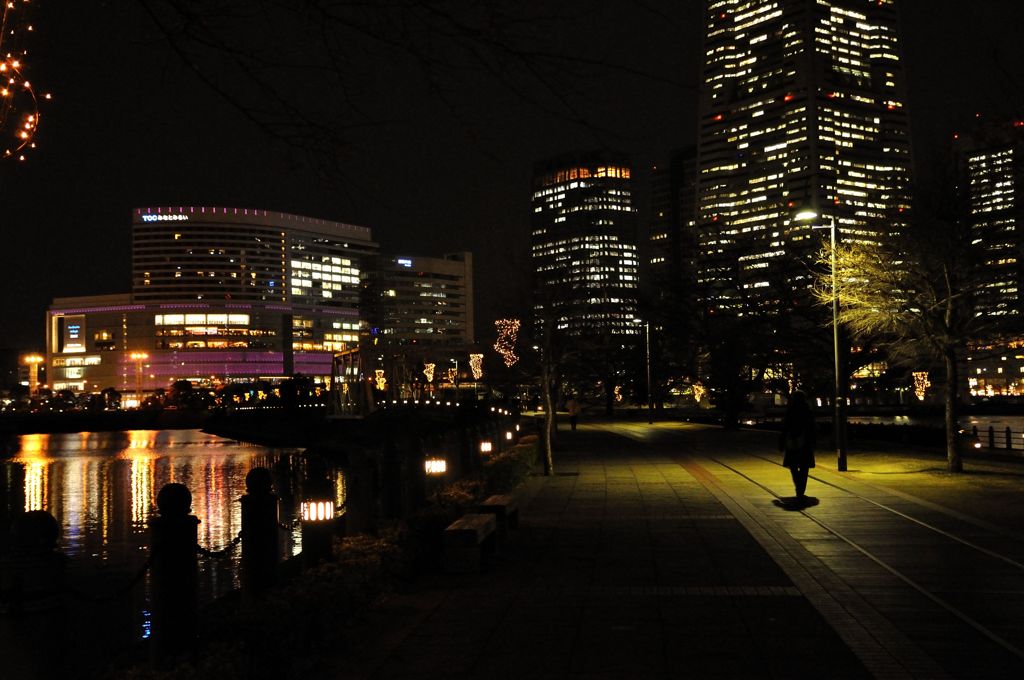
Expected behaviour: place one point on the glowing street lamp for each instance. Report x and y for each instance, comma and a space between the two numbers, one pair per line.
139, 358
33, 361
839, 418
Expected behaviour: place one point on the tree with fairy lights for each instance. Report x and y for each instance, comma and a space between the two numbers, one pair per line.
19, 103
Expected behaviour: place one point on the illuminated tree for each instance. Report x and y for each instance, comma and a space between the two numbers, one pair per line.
914, 295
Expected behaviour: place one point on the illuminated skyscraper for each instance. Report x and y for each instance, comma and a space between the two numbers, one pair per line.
992, 162
802, 111
584, 244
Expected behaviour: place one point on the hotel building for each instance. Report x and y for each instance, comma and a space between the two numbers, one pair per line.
218, 294
802, 110
583, 244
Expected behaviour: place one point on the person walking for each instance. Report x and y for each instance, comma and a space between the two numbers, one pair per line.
797, 441
573, 407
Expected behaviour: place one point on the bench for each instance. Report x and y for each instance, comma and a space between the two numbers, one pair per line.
467, 541
505, 511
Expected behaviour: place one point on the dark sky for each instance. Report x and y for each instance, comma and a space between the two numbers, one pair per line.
131, 126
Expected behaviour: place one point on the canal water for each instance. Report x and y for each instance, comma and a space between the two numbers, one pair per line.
102, 488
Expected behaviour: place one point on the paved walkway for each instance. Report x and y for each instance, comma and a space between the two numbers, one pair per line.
657, 552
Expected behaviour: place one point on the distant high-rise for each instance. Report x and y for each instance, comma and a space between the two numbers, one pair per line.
421, 300
584, 244
992, 163
670, 231
802, 111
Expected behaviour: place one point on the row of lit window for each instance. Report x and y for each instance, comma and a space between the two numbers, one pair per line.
201, 319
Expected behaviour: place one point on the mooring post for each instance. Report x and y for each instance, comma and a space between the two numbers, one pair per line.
32, 603
175, 575
260, 526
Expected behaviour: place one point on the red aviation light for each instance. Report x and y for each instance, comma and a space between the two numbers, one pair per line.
789, 97
1018, 123
718, 117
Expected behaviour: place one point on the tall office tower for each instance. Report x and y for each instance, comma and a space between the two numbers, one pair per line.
583, 244
670, 233
802, 111
421, 300
992, 162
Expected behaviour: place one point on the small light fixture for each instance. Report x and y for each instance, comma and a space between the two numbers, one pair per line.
486, 447
508, 436
435, 466
317, 511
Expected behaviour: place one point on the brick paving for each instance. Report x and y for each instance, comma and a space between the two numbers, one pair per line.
657, 552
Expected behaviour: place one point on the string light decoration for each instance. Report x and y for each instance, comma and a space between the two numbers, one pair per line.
698, 392
428, 372
921, 384
476, 365
508, 332
618, 393
379, 379
19, 105
453, 375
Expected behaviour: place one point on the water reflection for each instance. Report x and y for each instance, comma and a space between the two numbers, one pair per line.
102, 489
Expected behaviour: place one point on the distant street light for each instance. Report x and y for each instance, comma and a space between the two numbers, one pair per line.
839, 418
139, 358
33, 361
647, 362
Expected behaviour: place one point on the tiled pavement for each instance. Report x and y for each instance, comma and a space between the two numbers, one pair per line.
657, 552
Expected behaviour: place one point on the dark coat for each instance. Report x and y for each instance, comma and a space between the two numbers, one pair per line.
798, 434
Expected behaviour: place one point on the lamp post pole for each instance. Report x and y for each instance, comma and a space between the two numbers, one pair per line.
647, 364
647, 354
33, 361
839, 417
138, 357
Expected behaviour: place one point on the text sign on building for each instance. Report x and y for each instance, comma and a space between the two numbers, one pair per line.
73, 337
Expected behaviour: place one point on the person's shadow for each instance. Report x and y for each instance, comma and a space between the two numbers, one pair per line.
795, 503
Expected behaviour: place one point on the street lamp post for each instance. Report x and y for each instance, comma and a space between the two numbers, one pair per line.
138, 358
647, 363
839, 416
33, 361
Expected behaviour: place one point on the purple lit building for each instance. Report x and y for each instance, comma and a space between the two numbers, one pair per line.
218, 295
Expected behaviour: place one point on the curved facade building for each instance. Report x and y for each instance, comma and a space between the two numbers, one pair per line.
218, 294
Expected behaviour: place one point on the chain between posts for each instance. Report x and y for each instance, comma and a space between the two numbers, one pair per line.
120, 592
223, 552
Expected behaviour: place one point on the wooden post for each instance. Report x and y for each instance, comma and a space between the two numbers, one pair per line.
991, 437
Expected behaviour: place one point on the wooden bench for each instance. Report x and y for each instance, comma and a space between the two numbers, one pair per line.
505, 511
467, 541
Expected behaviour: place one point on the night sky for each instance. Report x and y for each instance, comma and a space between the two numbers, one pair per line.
432, 172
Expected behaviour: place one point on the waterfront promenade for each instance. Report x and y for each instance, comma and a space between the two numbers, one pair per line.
658, 552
